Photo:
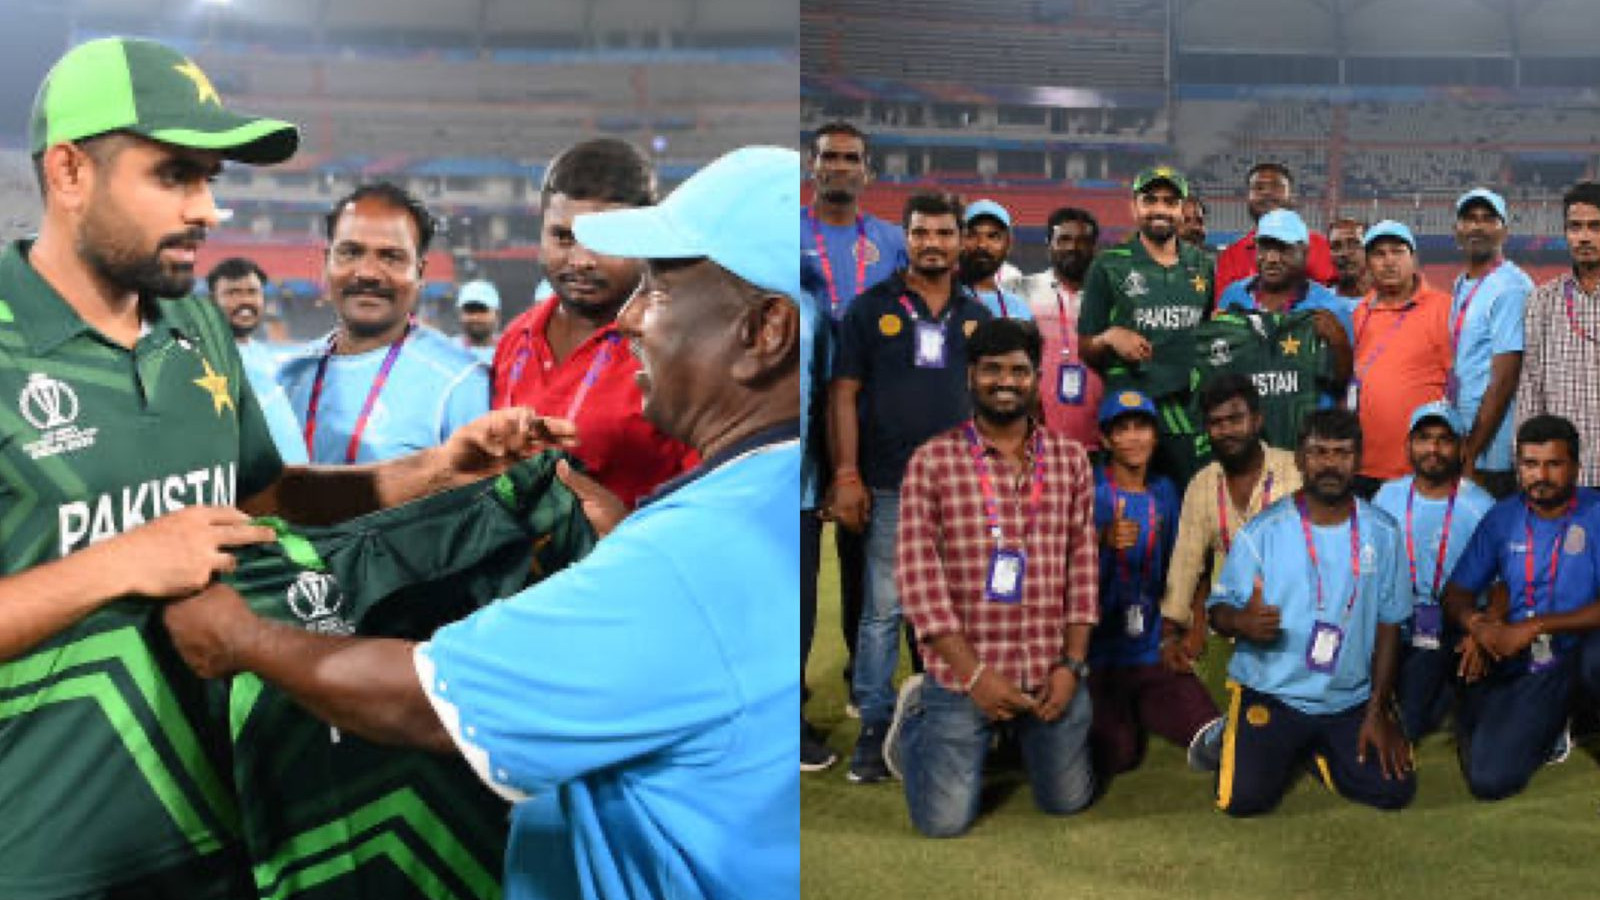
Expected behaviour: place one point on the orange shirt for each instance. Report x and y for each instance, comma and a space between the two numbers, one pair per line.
1402, 361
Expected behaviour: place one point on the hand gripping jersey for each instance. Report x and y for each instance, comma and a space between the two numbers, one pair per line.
328, 815
1281, 353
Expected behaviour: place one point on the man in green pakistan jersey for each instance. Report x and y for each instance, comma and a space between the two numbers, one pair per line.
1141, 301
130, 434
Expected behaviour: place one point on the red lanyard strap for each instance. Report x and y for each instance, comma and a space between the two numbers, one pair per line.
602, 356
1355, 554
1461, 314
1372, 358
1555, 554
1572, 315
827, 264
1147, 563
1066, 332
366, 407
991, 501
1444, 541
1223, 505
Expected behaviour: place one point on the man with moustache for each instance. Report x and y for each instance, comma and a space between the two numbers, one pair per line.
997, 566
1270, 186
238, 287
1070, 391
1486, 336
1535, 651
899, 379
478, 308
1561, 339
564, 356
1281, 284
985, 244
1349, 259
1314, 593
1402, 352
1141, 301
1244, 477
1438, 510
340, 388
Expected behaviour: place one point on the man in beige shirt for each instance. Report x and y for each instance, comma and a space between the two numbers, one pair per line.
1245, 477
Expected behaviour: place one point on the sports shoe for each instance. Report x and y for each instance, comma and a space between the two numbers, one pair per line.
1205, 751
1562, 748
866, 763
815, 754
891, 739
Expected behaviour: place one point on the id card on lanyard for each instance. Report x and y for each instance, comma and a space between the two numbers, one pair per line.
1007, 565
1137, 612
1327, 638
928, 344
1427, 620
1071, 377
1541, 653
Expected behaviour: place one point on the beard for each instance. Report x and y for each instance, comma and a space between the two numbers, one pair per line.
103, 246
976, 267
1158, 231
1070, 266
1001, 415
1330, 490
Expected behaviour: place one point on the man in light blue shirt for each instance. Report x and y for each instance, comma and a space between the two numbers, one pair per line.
985, 244
381, 385
478, 308
1314, 593
238, 287
1437, 511
1486, 330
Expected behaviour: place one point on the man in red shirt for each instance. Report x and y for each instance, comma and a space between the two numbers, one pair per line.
564, 357
1271, 187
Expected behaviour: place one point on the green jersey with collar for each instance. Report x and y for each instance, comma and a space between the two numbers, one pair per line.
1280, 352
109, 769
1126, 288
328, 816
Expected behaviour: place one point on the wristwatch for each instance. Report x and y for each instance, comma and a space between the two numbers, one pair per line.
1072, 664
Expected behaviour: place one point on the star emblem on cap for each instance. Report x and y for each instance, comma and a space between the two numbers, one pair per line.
204, 92
215, 384
1290, 345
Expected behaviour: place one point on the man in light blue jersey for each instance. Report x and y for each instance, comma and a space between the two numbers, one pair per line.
238, 286
651, 686
844, 250
985, 244
1486, 335
478, 307
340, 389
1437, 511
1314, 593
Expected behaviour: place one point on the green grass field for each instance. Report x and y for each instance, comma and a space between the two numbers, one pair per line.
1156, 832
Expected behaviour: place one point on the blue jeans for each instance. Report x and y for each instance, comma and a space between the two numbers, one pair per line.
878, 643
943, 742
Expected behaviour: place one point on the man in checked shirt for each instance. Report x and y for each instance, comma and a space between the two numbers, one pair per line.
997, 566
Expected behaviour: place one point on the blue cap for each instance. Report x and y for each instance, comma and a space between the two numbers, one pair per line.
1121, 403
481, 293
738, 211
986, 208
1444, 412
1482, 195
1284, 225
1391, 229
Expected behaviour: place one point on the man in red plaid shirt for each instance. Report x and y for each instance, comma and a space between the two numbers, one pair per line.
997, 569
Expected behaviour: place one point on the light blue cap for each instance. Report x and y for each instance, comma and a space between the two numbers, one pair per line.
738, 211
1444, 412
1391, 229
481, 293
1482, 195
1283, 225
1121, 403
986, 208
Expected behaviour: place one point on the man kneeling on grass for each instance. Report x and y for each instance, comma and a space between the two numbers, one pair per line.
1314, 592
996, 566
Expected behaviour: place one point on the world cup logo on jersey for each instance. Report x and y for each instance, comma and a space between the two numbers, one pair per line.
315, 598
47, 402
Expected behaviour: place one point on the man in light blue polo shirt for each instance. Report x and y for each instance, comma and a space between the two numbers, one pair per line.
1314, 593
1437, 511
985, 244
1526, 659
1486, 334
478, 308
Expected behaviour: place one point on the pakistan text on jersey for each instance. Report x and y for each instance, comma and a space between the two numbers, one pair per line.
1167, 318
85, 522
1271, 384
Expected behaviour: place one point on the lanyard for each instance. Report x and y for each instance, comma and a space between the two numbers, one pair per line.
1555, 554
827, 265
1355, 554
1066, 333
1153, 518
991, 503
1372, 359
905, 304
518, 363
1223, 504
1461, 315
366, 407
1000, 298
1444, 541
602, 356
1572, 316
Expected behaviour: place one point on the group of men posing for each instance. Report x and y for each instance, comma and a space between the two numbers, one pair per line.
1366, 487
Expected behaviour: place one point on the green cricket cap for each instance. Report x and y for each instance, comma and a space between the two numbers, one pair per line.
149, 89
1159, 175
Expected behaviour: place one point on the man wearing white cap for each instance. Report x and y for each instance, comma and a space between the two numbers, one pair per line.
478, 306
653, 686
